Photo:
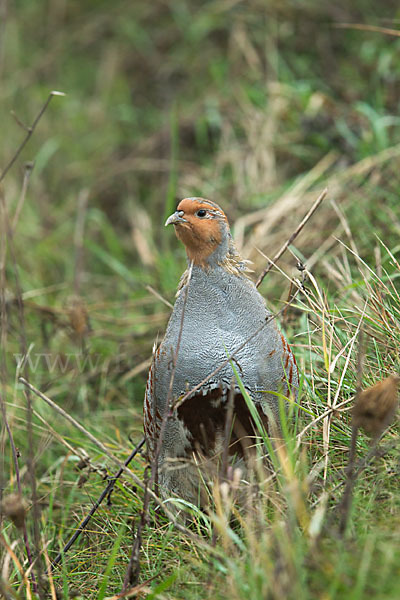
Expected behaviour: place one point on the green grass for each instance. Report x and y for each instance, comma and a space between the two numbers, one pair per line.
257, 106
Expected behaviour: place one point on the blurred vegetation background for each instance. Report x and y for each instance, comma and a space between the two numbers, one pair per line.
256, 105
229, 100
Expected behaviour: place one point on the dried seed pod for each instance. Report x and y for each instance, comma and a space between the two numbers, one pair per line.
14, 506
78, 316
375, 407
82, 480
82, 464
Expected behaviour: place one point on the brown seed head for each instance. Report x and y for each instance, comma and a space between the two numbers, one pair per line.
375, 407
78, 316
14, 507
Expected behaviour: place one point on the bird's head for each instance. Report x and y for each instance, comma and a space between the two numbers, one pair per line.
203, 228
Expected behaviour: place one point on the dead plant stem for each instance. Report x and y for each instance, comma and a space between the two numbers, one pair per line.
294, 235
30, 131
104, 494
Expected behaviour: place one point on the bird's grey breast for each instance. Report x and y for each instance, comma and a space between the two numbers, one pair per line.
222, 311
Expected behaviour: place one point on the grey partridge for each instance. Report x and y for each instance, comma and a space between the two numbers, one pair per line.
222, 311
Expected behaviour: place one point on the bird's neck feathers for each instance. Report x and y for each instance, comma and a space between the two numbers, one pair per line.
227, 258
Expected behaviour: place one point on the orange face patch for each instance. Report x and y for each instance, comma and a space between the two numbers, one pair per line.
202, 229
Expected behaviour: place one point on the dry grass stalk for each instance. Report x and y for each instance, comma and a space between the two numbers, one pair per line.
267, 226
28, 167
133, 569
293, 236
24, 574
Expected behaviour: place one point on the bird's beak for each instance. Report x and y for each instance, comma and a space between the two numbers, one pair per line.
175, 218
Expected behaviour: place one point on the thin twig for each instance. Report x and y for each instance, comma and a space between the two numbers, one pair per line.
293, 236
31, 129
134, 591
133, 569
316, 420
104, 494
159, 296
365, 27
28, 168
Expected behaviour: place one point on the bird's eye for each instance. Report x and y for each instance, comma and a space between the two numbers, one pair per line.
201, 213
